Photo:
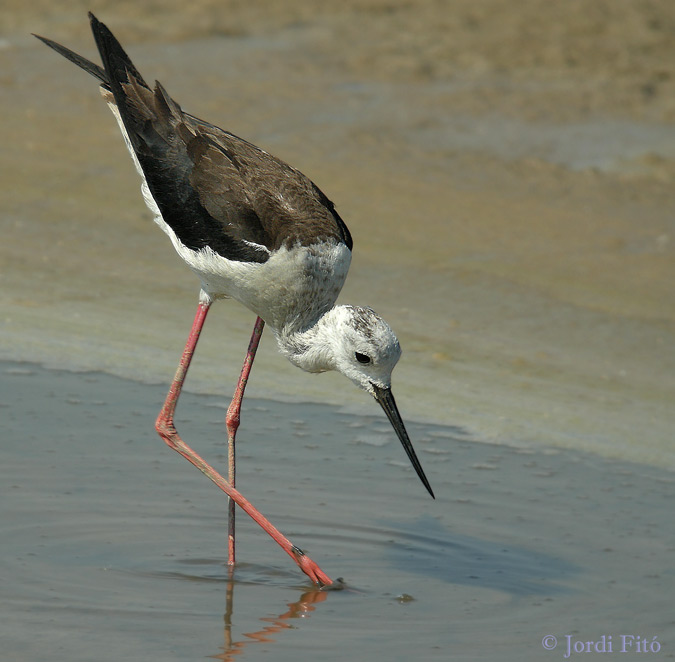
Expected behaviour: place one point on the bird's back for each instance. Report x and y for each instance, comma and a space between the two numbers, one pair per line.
229, 207
213, 188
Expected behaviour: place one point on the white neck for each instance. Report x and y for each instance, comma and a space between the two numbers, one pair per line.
311, 348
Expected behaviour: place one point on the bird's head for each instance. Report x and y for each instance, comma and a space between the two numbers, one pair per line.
365, 348
358, 343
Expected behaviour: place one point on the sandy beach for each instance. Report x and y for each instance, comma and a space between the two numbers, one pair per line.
507, 177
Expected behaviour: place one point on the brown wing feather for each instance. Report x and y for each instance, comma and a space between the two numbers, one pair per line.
212, 188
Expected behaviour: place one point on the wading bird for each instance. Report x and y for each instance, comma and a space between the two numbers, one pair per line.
254, 229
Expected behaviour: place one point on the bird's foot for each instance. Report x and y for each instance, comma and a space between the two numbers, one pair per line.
311, 569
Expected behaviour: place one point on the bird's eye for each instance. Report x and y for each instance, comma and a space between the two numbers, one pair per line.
362, 358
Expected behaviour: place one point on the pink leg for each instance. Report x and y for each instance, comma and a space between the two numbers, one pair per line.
232, 422
166, 429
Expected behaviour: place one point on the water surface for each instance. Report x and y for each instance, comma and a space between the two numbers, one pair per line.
113, 546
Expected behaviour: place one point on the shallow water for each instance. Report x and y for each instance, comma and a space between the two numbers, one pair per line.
113, 546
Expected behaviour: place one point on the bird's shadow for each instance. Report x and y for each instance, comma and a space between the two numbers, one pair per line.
427, 548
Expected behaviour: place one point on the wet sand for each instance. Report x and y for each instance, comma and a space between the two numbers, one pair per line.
507, 176
511, 202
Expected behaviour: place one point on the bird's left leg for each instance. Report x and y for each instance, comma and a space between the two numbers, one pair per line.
232, 422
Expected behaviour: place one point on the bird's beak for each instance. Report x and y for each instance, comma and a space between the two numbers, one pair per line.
386, 399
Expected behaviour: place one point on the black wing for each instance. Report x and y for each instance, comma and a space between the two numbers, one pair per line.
212, 188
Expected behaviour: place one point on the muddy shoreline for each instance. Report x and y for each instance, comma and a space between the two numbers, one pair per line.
507, 177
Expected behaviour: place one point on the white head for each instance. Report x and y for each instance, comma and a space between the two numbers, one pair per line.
353, 340
358, 343
365, 348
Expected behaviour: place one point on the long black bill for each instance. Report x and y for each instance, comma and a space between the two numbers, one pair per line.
386, 399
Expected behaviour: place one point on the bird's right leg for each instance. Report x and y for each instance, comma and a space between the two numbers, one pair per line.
232, 423
167, 430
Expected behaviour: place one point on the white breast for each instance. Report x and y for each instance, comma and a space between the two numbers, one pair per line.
292, 289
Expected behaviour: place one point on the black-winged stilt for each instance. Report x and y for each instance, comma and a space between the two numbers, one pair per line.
254, 229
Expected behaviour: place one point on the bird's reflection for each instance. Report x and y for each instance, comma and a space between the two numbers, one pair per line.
271, 625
